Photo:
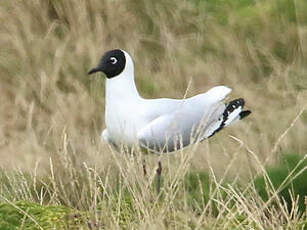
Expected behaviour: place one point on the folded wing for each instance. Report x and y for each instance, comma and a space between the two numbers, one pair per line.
193, 119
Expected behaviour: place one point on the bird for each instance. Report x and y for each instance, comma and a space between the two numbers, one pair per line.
159, 125
163, 124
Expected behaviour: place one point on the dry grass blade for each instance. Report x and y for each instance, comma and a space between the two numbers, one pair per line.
52, 113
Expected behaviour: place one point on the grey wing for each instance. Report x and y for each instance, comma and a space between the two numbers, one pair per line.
194, 119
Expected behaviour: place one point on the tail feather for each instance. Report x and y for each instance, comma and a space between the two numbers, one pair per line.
232, 113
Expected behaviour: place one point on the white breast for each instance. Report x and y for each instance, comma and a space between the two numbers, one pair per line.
123, 121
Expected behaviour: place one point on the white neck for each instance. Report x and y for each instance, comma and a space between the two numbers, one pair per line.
122, 87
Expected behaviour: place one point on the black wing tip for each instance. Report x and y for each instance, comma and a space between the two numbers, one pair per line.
244, 114
231, 106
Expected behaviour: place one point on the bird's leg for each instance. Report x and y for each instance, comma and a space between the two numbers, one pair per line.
144, 168
159, 172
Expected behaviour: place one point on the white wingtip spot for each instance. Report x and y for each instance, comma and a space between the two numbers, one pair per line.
233, 116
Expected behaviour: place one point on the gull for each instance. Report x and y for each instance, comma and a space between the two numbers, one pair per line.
160, 125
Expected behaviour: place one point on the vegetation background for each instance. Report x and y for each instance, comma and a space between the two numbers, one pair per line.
52, 113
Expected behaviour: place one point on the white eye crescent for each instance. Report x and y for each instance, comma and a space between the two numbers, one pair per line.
113, 60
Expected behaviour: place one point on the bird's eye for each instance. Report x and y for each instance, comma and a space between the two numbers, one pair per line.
113, 60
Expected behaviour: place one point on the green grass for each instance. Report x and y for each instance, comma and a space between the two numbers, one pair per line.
184, 200
30, 216
54, 164
287, 180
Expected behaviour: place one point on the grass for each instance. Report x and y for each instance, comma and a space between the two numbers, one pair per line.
287, 180
52, 113
27, 215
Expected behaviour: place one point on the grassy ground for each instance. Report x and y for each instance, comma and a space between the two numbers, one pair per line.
52, 113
